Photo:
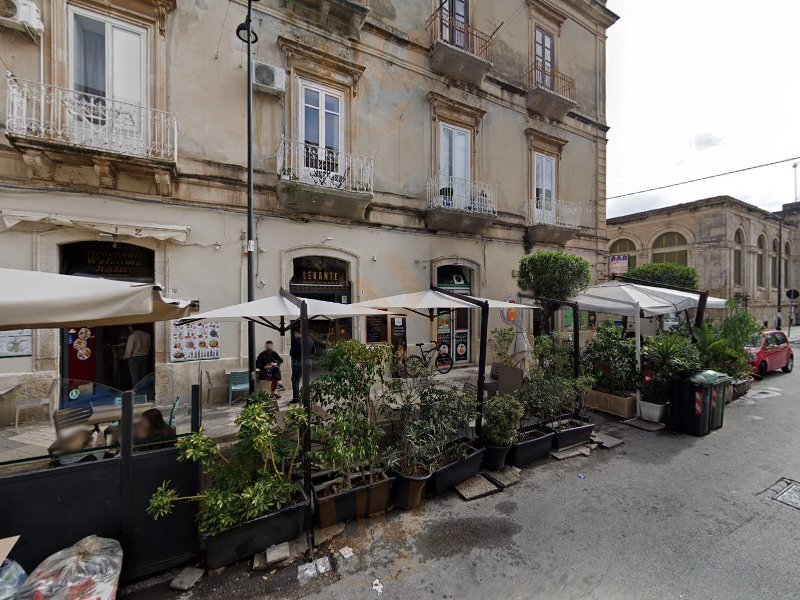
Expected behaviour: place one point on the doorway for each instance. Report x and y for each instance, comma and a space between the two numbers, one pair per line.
454, 328
94, 368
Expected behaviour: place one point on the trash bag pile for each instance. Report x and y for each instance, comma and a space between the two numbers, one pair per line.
12, 576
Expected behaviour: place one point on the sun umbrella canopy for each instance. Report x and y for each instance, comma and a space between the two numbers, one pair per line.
432, 300
619, 298
39, 300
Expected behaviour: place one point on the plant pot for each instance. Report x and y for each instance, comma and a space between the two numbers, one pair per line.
570, 432
740, 388
407, 491
652, 412
247, 539
356, 503
529, 450
451, 475
620, 406
494, 458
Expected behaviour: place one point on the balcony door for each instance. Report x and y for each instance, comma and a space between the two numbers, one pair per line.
321, 129
107, 107
545, 188
545, 58
454, 166
455, 16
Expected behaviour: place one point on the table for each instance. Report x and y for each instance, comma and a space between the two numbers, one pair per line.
110, 414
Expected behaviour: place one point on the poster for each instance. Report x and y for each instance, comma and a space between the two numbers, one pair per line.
194, 341
461, 346
377, 329
399, 342
16, 342
618, 264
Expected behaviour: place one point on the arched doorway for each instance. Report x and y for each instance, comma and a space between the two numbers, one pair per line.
454, 329
95, 361
324, 278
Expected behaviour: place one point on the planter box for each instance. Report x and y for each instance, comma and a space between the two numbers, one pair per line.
494, 457
356, 503
247, 539
575, 433
451, 475
620, 406
407, 491
655, 413
740, 388
527, 451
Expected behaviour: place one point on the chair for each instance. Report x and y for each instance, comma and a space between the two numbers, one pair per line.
239, 383
210, 387
173, 414
69, 417
33, 403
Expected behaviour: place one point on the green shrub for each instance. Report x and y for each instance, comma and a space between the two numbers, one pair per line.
610, 358
500, 343
666, 359
554, 275
502, 416
668, 274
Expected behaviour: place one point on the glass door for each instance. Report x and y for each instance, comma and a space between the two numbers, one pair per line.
454, 166
545, 58
545, 176
321, 131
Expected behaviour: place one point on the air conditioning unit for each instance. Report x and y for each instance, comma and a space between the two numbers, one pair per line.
23, 15
269, 79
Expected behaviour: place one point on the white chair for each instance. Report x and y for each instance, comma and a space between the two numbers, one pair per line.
34, 403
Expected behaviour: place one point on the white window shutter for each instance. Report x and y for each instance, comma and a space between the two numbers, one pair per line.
127, 66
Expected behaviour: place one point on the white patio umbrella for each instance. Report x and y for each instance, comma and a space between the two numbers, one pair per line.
40, 300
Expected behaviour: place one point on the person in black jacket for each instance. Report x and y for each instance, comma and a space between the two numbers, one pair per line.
296, 354
268, 365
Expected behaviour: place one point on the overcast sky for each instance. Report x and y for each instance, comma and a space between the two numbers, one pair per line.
697, 87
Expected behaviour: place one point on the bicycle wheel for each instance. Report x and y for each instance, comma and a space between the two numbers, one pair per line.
414, 366
444, 362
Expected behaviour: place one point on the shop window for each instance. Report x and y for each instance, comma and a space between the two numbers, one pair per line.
671, 247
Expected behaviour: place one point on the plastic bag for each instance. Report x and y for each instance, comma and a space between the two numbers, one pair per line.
87, 570
12, 576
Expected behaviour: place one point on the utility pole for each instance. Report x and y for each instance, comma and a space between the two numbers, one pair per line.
245, 33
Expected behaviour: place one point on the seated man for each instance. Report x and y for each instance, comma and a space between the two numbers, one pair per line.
268, 365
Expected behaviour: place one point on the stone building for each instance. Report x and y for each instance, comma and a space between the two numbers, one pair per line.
736, 247
398, 143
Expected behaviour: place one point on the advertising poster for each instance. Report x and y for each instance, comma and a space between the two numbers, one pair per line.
461, 344
194, 341
618, 264
16, 342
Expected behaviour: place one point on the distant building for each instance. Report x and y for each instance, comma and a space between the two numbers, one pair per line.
737, 248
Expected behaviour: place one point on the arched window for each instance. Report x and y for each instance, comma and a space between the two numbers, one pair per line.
787, 266
738, 258
761, 262
625, 246
773, 262
671, 247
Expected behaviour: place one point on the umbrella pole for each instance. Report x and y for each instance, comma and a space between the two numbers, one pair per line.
638, 333
306, 392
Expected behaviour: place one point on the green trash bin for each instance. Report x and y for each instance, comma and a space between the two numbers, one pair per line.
692, 408
719, 392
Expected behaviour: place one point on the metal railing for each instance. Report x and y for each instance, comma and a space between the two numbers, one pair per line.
549, 211
445, 191
84, 120
446, 27
324, 167
541, 75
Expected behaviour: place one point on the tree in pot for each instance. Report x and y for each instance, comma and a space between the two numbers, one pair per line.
500, 344
610, 358
502, 416
666, 359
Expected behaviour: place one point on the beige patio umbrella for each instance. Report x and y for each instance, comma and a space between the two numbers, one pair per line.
40, 300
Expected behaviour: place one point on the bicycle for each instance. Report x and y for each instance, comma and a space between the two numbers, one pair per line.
442, 359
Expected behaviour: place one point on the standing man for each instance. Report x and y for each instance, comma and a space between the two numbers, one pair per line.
268, 365
137, 352
296, 354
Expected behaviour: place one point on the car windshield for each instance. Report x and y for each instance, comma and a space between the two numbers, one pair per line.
755, 341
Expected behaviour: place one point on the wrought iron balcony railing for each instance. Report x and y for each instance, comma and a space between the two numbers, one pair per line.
83, 120
543, 76
324, 167
445, 191
558, 213
446, 27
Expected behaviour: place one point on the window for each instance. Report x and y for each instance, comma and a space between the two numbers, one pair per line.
671, 247
454, 153
455, 16
774, 263
108, 58
787, 255
625, 246
321, 127
761, 262
738, 260
545, 50
544, 182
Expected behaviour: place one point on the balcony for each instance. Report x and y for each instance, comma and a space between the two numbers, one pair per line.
460, 205
458, 50
50, 124
345, 16
323, 181
552, 221
550, 92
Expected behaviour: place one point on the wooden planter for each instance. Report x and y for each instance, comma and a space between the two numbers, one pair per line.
620, 406
356, 503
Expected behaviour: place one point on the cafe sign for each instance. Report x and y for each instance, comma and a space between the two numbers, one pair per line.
320, 271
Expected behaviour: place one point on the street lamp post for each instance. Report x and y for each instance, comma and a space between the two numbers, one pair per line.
245, 33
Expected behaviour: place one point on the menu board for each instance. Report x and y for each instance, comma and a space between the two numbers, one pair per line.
377, 329
194, 341
16, 342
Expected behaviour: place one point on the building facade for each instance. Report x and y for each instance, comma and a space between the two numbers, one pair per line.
398, 143
737, 248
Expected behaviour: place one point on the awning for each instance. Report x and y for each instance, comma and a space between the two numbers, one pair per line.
39, 300
620, 298
33, 221
433, 300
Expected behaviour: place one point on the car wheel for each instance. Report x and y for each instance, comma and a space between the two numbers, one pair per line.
789, 365
762, 369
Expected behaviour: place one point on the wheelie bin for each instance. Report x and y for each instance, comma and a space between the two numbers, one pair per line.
719, 393
692, 412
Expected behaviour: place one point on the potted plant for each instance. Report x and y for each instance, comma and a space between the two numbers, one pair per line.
353, 483
534, 442
502, 416
250, 500
610, 359
563, 409
667, 358
503, 368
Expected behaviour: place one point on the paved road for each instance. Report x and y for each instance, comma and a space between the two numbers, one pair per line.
662, 516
